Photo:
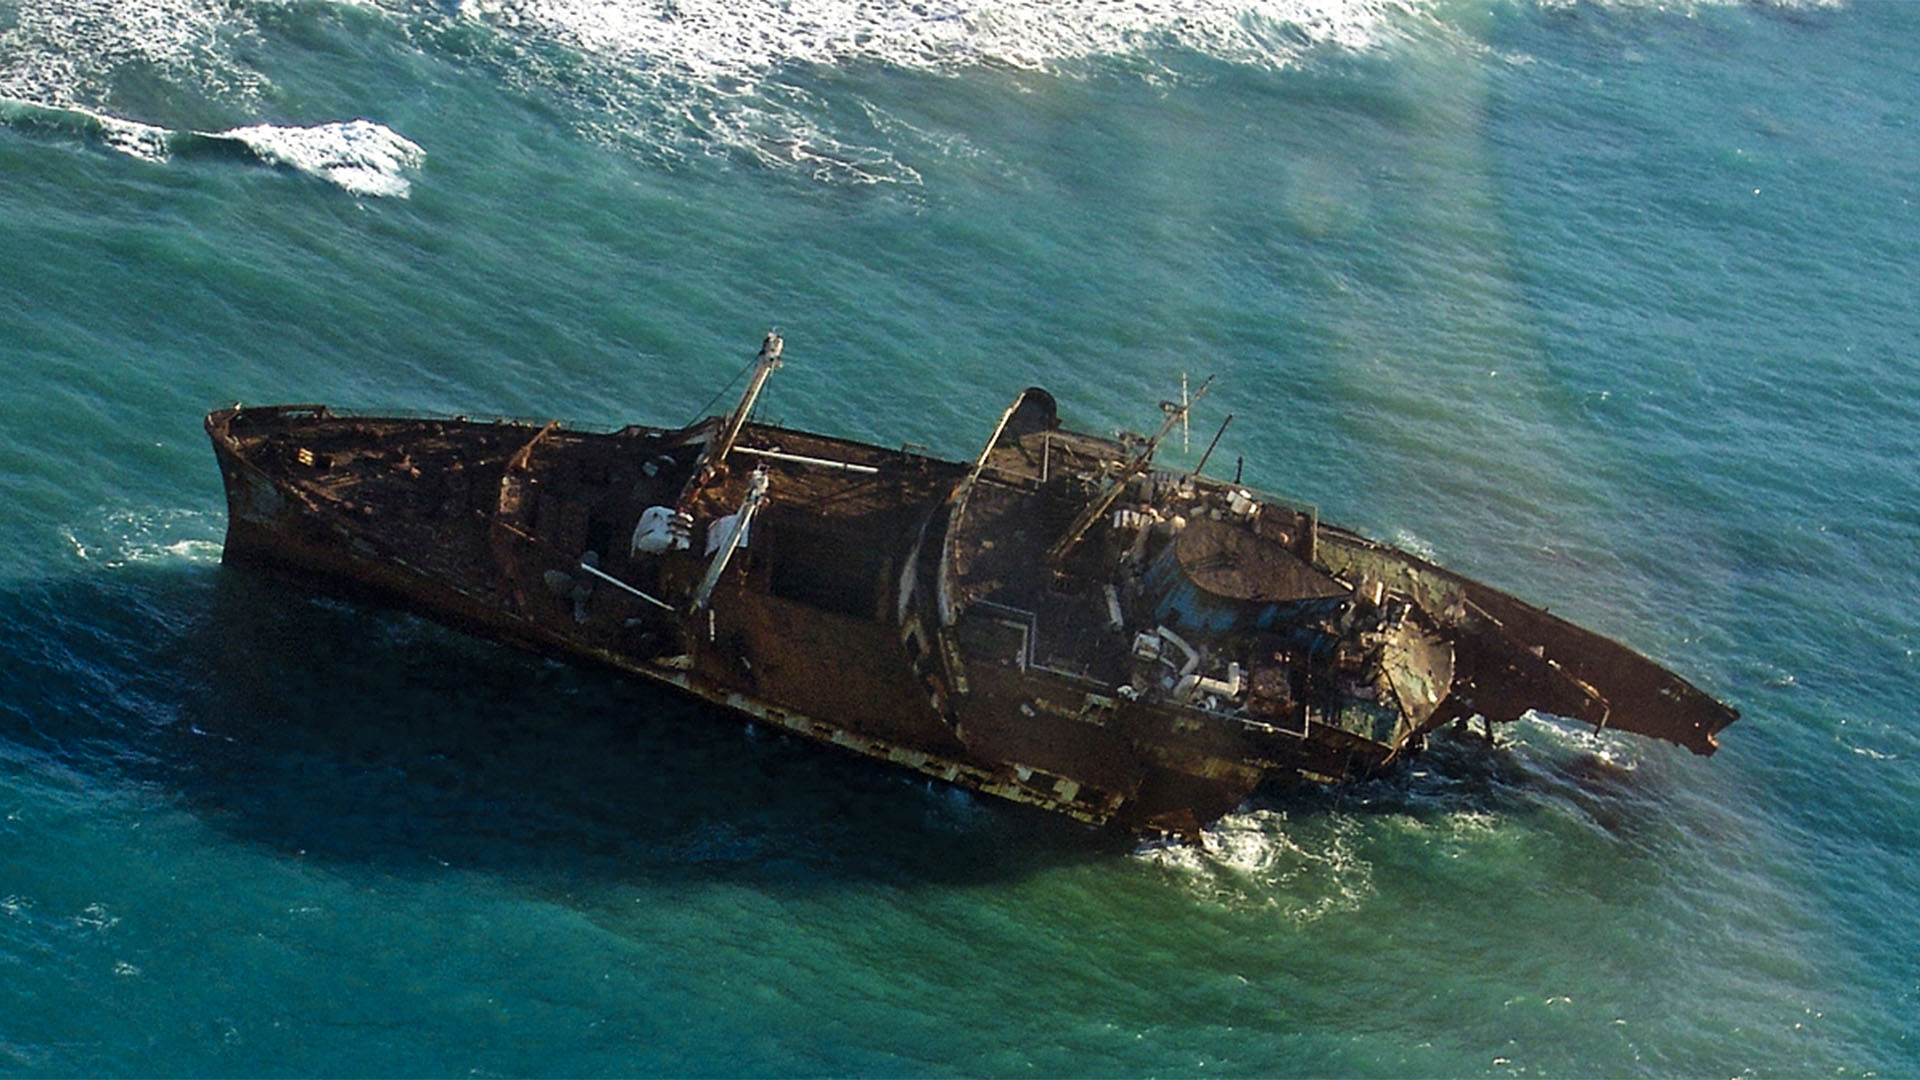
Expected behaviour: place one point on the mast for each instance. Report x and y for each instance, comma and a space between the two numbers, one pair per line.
1057, 554
714, 457
764, 364
736, 532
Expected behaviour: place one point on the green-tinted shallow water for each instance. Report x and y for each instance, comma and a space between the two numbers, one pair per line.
1608, 303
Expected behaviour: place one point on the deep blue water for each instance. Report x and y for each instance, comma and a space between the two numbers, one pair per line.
1609, 303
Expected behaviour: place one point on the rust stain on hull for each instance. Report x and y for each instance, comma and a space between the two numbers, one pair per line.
1057, 622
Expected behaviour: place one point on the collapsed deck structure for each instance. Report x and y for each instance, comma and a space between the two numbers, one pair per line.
1060, 621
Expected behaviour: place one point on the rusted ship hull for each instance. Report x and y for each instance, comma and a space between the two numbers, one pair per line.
1192, 642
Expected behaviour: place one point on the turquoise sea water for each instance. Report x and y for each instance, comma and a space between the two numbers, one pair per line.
1609, 303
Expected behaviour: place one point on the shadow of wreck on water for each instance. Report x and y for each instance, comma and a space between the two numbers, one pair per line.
357, 735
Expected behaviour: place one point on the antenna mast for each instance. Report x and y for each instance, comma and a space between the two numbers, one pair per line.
1186, 429
1058, 553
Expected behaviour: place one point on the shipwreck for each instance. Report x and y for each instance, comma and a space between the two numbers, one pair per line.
1060, 621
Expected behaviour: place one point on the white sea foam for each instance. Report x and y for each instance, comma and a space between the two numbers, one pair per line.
127, 136
68, 52
1259, 858
724, 77
1607, 747
64, 56
1407, 541
120, 537
741, 39
674, 76
133, 137
361, 156
358, 155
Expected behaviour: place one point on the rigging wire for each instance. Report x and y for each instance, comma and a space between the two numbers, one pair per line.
701, 413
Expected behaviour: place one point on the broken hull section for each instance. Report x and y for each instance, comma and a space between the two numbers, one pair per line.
1194, 643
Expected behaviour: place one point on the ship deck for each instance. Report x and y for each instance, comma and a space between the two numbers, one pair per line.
1025, 497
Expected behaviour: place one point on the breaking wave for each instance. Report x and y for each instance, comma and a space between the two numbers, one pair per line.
359, 156
680, 77
730, 77
725, 70
715, 40
671, 76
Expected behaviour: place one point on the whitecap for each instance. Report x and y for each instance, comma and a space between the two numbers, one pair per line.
361, 156
59, 58
127, 136
134, 138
